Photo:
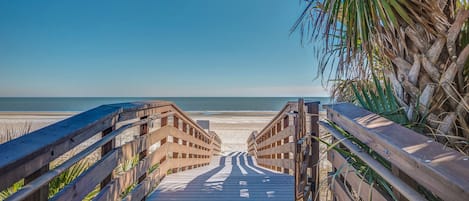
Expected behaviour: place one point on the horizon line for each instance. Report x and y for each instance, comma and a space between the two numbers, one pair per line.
165, 96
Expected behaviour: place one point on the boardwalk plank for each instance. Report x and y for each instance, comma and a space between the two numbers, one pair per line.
232, 177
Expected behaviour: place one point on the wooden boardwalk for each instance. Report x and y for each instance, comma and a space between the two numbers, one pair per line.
232, 177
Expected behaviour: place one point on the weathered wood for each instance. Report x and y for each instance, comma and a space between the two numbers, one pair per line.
279, 136
113, 190
145, 187
298, 139
139, 192
185, 118
144, 142
27, 153
43, 192
48, 176
106, 148
385, 173
86, 182
285, 148
340, 192
289, 106
288, 134
143, 153
284, 163
314, 163
137, 110
23, 156
439, 169
365, 191
223, 180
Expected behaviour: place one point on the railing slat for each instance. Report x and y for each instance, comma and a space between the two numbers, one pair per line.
285, 163
113, 190
439, 169
27, 154
313, 112
340, 192
366, 192
140, 191
279, 136
285, 148
43, 192
86, 182
108, 147
24, 156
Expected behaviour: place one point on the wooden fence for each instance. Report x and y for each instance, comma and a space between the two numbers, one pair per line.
413, 166
272, 146
286, 145
162, 140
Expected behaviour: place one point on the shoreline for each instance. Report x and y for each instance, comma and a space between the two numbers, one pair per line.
44, 114
233, 127
75, 112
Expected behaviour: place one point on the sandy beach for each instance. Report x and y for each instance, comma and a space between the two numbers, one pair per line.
14, 124
232, 127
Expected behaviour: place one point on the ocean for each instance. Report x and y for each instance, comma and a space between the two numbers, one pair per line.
79, 104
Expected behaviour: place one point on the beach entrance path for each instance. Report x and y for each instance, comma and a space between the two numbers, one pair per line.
233, 177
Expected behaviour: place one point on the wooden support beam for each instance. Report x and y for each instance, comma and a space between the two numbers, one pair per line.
106, 148
43, 193
434, 166
313, 113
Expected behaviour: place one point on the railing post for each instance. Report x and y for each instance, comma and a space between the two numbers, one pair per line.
106, 148
164, 121
298, 159
43, 193
175, 122
405, 178
143, 153
313, 111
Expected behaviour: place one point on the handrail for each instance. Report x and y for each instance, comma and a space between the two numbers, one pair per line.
24, 157
45, 178
285, 145
273, 151
282, 112
417, 161
401, 186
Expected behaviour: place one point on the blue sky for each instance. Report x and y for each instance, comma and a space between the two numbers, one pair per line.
153, 48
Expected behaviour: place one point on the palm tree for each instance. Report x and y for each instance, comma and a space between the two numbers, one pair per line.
421, 47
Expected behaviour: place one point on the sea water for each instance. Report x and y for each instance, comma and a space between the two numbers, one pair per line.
205, 104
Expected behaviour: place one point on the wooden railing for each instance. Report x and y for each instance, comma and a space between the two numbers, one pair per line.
162, 140
417, 167
216, 143
272, 146
286, 145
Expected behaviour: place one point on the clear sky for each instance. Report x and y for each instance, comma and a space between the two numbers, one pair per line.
153, 48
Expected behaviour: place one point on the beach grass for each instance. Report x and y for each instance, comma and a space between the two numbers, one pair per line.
12, 132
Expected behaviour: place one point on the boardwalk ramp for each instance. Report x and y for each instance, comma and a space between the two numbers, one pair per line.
235, 176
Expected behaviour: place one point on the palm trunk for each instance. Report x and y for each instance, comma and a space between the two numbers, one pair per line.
428, 76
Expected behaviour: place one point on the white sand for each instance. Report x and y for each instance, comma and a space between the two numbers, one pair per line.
14, 124
233, 127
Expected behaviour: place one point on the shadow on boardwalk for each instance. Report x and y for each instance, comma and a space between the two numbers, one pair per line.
232, 177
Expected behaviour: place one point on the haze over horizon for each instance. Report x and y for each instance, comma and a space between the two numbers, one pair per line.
206, 48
